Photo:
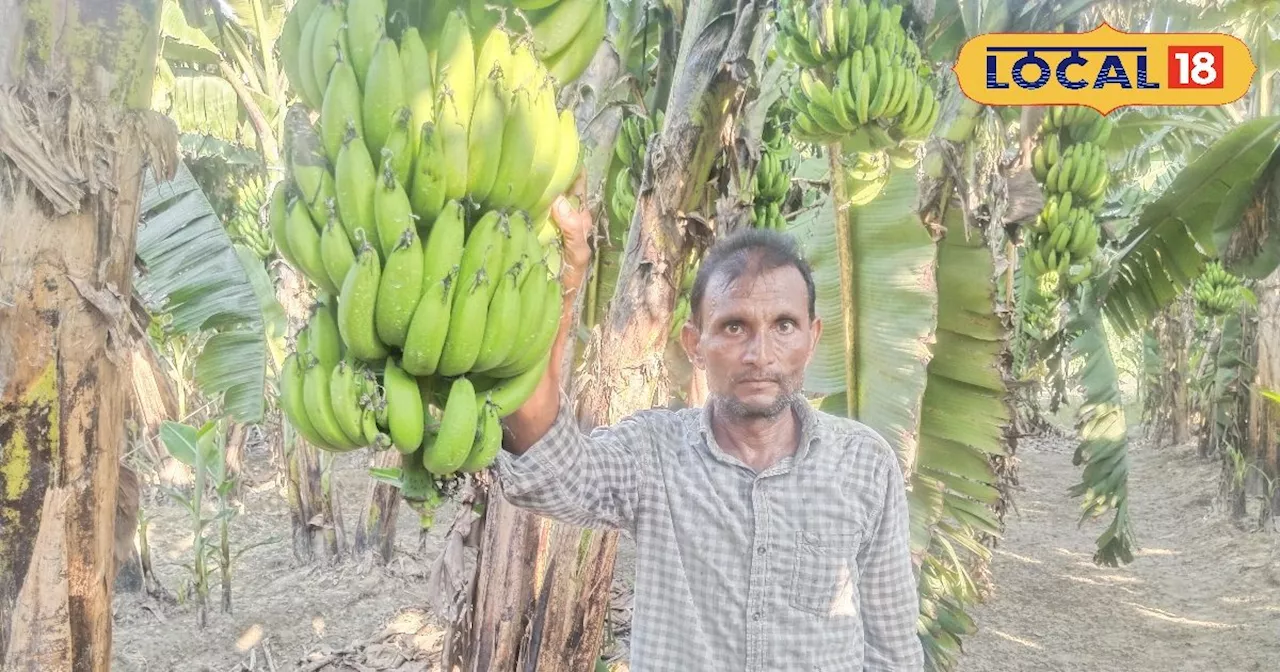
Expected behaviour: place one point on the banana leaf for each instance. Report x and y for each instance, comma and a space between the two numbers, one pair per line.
205, 104
184, 43
891, 270
1165, 250
1104, 441
189, 270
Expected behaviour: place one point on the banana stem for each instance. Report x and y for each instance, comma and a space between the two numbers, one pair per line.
844, 252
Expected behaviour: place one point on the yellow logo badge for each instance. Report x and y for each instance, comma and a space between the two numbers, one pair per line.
1104, 69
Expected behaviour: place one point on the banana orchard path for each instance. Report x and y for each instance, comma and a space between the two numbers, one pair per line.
1200, 595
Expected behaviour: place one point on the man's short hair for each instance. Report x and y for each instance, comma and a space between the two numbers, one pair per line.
750, 252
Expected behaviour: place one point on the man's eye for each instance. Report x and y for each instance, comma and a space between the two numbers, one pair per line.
787, 326
733, 328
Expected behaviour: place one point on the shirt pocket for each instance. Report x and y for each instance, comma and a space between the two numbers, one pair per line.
824, 577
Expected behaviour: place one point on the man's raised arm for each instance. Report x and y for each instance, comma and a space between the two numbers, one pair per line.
548, 464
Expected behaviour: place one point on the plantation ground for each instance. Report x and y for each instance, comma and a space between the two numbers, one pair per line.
1201, 595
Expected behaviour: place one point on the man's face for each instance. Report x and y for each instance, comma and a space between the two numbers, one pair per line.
755, 341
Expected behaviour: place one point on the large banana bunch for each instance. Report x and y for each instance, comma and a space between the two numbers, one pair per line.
773, 178
1217, 292
418, 205
862, 80
1071, 163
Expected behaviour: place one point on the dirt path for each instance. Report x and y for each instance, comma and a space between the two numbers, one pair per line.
1199, 596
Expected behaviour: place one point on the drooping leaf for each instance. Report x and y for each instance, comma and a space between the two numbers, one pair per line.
182, 42
891, 270
1104, 441
1165, 251
205, 104
180, 440
190, 270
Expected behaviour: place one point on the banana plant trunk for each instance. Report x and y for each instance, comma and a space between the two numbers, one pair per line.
1264, 414
376, 533
75, 139
542, 590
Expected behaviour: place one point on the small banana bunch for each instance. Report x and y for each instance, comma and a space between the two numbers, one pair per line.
418, 205
1071, 164
680, 314
1216, 291
247, 231
566, 33
869, 85
865, 176
629, 148
773, 179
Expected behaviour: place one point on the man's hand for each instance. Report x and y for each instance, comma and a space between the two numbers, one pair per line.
575, 230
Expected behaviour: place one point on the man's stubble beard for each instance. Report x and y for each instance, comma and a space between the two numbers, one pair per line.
791, 393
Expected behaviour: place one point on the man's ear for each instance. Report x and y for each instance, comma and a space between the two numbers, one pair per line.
690, 338
815, 329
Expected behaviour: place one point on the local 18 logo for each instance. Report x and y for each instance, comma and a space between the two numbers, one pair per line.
1104, 69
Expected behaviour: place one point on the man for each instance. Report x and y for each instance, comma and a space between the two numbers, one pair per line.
769, 536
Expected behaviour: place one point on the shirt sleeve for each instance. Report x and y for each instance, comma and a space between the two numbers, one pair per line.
589, 480
887, 584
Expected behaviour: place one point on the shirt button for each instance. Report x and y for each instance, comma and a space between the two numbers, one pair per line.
756, 616
760, 549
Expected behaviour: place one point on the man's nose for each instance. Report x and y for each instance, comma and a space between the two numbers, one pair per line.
758, 348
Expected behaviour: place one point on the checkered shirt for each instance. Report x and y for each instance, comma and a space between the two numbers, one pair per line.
804, 566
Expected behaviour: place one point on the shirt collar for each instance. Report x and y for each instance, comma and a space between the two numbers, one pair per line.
805, 414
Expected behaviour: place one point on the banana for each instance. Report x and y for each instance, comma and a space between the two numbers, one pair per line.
292, 403
456, 77
354, 181
330, 43
567, 158
324, 340
486, 126
569, 63
554, 31
307, 163
488, 439
335, 250
392, 211
418, 86
429, 327
319, 405
289, 45
499, 330
486, 248
405, 413
543, 166
544, 334
495, 52
427, 184
356, 304
518, 149
278, 216
384, 95
509, 394
399, 147
516, 248
312, 90
445, 244
454, 139
341, 109
344, 392
366, 25
304, 242
449, 448
857, 24
400, 288
466, 324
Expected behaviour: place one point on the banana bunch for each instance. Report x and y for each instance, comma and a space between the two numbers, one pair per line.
1216, 291
246, 231
1071, 164
773, 179
566, 32
869, 86
418, 205
865, 176
629, 149
817, 34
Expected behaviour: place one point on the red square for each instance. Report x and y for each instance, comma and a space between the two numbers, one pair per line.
1198, 67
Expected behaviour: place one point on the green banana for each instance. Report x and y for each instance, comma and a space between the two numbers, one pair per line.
304, 242
445, 244
466, 324
546, 147
428, 183
354, 180
307, 163
294, 405
416, 62
398, 148
330, 43
405, 413
488, 440
429, 326
335, 250
324, 340
509, 394
340, 111
503, 316
392, 212
400, 289
344, 392
547, 324
554, 31
567, 158
278, 216
519, 138
356, 304
569, 64
449, 448
290, 46
486, 126
366, 25
384, 95
319, 405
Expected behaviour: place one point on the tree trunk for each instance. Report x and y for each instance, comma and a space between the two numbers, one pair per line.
376, 533
1264, 414
543, 588
1181, 319
74, 142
